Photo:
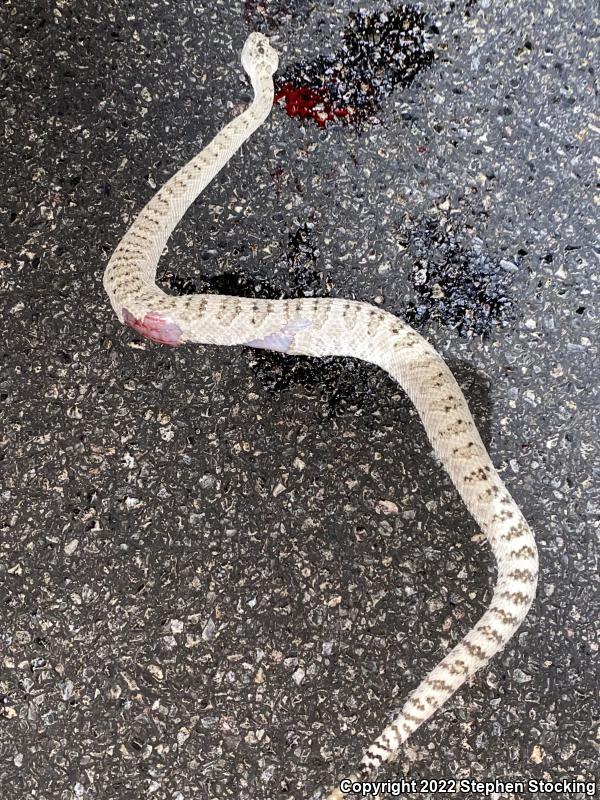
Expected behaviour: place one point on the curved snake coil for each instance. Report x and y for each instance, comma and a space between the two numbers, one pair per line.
324, 327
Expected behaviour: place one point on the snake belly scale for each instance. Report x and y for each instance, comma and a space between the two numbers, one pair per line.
324, 327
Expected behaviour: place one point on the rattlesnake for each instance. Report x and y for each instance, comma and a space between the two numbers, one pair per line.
323, 327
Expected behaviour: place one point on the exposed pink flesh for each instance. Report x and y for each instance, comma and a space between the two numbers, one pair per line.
154, 327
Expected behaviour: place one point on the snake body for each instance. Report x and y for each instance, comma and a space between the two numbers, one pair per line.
325, 327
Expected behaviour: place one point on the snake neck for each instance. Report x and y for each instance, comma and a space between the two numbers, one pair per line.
130, 275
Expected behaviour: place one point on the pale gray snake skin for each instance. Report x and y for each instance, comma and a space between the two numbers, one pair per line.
324, 327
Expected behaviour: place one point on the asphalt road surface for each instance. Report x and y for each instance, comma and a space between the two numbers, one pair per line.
222, 570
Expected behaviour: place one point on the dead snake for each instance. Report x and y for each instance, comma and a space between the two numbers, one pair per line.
325, 327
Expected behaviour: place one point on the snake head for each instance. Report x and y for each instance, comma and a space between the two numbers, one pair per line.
258, 54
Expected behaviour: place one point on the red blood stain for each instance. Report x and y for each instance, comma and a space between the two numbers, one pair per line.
303, 101
378, 51
154, 327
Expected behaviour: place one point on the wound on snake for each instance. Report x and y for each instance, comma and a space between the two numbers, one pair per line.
280, 341
154, 327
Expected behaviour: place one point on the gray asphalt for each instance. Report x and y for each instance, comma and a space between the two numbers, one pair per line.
221, 570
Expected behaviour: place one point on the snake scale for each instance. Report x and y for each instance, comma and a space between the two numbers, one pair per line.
325, 327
